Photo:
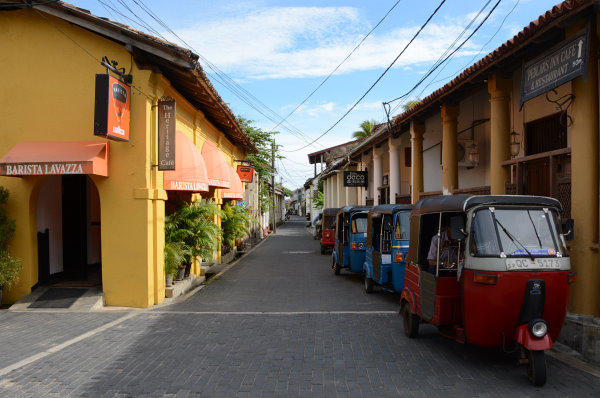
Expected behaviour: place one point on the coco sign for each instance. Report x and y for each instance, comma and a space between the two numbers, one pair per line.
355, 179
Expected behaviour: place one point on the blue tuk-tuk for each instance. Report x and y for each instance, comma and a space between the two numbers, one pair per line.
350, 238
388, 232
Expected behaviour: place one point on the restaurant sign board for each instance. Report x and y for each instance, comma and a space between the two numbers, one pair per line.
246, 173
111, 109
166, 134
558, 65
356, 179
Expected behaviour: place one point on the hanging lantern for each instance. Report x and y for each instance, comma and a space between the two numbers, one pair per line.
473, 154
515, 144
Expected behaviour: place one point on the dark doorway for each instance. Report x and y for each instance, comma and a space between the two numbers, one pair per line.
74, 226
538, 178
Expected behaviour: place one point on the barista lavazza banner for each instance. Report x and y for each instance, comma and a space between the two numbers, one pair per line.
560, 64
355, 179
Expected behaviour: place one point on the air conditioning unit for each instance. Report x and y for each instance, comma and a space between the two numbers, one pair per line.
464, 149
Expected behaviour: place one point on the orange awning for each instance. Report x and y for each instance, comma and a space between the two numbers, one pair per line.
217, 167
56, 158
190, 170
236, 191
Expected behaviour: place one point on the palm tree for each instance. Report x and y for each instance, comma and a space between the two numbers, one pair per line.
366, 128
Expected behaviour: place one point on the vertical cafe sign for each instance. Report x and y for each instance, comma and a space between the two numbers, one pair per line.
560, 64
166, 134
111, 109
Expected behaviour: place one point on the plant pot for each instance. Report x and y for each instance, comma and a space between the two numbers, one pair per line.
188, 268
180, 273
168, 280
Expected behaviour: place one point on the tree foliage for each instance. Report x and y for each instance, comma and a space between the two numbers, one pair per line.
10, 267
366, 128
264, 141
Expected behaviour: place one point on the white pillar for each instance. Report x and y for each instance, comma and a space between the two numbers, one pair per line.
394, 169
377, 175
334, 195
340, 188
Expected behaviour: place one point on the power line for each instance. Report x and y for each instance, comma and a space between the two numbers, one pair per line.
339, 65
376, 81
438, 64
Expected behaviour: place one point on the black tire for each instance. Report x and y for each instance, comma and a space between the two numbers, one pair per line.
322, 249
536, 369
336, 267
367, 283
410, 321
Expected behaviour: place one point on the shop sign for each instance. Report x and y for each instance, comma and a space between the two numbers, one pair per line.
246, 173
166, 134
111, 111
356, 179
556, 66
38, 169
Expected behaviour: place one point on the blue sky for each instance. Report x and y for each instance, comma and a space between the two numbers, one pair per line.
279, 52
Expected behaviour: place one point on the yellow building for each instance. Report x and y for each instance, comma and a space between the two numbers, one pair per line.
86, 206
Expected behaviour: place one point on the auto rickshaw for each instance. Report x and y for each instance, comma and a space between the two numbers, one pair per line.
491, 271
328, 229
388, 232
350, 237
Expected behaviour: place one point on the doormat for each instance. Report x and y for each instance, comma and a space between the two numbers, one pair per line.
57, 297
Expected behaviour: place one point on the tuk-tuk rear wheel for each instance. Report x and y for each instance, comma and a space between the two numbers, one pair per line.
336, 267
367, 283
536, 369
410, 321
322, 249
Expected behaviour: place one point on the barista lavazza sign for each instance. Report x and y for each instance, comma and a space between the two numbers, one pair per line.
355, 178
35, 169
556, 66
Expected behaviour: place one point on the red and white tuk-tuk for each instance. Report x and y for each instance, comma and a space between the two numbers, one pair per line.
491, 271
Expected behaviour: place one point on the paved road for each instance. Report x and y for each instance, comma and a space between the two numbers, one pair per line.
277, 324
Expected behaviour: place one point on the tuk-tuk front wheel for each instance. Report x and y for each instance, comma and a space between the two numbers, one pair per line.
336, 267
323, 249
367, 283
536, 369
410, 321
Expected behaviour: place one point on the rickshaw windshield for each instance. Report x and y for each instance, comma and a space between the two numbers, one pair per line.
359, 225
328, 222
402, 229
521, 233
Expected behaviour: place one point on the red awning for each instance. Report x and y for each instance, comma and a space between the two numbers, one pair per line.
190, 170
56, 158
236, 191
217, 167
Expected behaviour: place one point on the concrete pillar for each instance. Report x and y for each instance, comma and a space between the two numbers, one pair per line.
499, 89
334, 191
449, 148
340, 189
417, 129
366, 161
394, 146
377, 174
325, 194
584, 188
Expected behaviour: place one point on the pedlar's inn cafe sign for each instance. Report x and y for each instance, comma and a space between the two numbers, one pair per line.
556, 66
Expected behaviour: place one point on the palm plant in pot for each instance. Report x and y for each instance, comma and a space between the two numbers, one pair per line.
175, 250
235, 224
192, 227
10, 268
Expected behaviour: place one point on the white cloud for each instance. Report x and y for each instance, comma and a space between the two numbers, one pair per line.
296, 42
316, 110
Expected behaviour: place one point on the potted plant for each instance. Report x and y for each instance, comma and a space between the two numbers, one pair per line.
193, 229
10, 268
235, 224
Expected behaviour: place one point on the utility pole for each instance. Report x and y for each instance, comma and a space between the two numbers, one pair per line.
273, 186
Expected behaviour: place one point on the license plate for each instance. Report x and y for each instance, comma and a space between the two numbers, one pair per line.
526, 263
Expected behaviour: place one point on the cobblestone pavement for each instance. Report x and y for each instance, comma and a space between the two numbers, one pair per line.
276, 324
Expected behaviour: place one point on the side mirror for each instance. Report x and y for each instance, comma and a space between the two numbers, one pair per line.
568, 226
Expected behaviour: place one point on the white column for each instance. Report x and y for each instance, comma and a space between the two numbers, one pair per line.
340, 188
377, 174
334, 195
394, 168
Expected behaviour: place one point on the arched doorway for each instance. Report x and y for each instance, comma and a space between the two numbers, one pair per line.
68, 225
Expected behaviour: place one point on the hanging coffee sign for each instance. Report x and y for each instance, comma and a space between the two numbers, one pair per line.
246, 173
560, 64
355, 179
166, 134
111, 110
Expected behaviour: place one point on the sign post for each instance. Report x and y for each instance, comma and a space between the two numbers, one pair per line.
166, 134
356, 179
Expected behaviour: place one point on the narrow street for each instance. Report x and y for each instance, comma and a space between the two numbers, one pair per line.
278, 323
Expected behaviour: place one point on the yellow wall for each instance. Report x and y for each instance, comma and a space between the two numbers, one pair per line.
50, 97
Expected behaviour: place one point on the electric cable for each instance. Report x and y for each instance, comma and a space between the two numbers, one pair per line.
376, 81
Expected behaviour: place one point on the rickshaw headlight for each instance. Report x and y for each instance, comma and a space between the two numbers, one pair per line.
538, 328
